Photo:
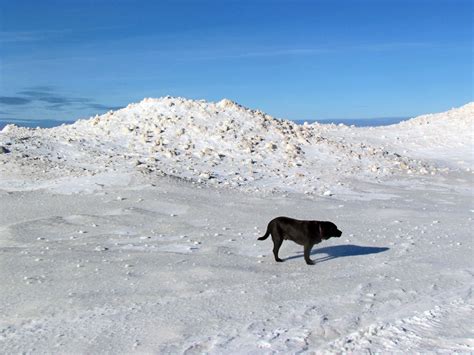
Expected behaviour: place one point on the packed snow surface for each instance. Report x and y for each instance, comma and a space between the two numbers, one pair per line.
135, 231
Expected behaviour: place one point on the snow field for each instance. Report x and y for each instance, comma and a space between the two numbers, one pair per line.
126, 234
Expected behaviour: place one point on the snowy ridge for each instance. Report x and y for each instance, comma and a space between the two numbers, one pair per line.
220, 143
444, 139
463, 115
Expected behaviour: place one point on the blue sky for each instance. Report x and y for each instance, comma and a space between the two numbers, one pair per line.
295, 59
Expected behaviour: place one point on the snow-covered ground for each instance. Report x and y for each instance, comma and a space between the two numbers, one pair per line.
136, 231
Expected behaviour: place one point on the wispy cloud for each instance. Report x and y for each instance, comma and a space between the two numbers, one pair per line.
55, 107
14, 100
267, 53
104, 107
390, 46
44, 35
309, 51
53, 100
30, 36
42, 88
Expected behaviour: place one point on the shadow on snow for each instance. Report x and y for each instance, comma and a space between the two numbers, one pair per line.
339, 251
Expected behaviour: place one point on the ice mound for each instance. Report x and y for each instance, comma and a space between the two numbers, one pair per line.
225, 143
220, 143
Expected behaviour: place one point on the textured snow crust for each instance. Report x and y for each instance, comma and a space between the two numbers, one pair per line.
225, 144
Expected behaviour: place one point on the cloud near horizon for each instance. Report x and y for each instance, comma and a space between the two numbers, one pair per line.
52, 100
14, 100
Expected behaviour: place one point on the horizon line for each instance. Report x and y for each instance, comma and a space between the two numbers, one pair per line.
286, 119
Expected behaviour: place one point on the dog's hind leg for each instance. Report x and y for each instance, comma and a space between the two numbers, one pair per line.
277, 241
307, 252
276, 248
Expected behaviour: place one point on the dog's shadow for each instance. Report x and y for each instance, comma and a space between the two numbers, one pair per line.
339, 251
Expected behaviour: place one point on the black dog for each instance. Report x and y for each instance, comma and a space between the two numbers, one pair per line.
305, 233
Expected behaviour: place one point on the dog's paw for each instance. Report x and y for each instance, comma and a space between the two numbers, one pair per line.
279, 260
310, 262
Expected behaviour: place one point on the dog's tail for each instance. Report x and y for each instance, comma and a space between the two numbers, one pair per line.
267, 233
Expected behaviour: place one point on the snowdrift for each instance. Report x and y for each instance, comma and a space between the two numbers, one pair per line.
227, 144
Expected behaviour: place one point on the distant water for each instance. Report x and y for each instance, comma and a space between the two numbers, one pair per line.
362, 122
367, 122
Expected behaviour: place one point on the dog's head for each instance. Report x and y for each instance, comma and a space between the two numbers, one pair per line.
328, 230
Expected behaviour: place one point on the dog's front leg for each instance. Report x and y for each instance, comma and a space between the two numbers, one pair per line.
307, 252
